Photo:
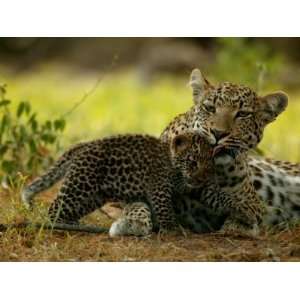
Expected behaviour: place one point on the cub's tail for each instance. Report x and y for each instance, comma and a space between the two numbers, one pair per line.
55, 226
53, 175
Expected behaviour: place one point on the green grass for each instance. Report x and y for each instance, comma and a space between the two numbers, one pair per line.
122, 104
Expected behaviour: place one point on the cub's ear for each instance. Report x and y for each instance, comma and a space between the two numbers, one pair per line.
199, 85
180, 143
273, 105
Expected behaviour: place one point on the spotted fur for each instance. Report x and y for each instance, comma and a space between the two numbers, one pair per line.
224, 185
276, 183
129, 167
233, 117
136, 219
219, 183
227, 115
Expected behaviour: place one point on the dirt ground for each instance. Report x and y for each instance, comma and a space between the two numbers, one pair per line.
44, 245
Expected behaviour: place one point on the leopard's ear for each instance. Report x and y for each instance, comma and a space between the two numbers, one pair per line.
199, 85
180, 143
272, 105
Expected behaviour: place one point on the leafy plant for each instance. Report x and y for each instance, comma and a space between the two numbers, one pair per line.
26, 144
242, 61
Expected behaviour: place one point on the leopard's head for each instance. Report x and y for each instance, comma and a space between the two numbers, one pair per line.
192, 156
232, 116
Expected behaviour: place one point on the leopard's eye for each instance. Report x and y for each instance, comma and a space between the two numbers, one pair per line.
243, 114
209, 108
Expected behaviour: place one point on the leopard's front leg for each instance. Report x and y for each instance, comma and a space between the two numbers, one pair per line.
160, 199
240, 199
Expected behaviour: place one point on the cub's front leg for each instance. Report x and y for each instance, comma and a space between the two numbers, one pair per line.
136, 219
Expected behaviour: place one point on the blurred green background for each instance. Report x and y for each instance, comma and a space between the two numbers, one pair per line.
143, 81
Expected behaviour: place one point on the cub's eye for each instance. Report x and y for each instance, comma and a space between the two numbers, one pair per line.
209, 108
243, 114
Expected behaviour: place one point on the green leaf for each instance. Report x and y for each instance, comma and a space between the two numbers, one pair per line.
4, 102
48, 125
3, 149
33, 116
34, 124
60, 124
2, 90
24, 145
48, 138
23, 132
30, 163
32, 146
20, 109
9, 166
4, 123
27, 107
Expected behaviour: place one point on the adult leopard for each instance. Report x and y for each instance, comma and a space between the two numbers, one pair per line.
233, 117
228, 115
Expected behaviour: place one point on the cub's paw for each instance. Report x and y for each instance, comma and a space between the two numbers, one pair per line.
125, 227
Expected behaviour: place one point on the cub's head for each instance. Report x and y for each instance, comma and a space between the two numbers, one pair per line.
233, 116
192, 155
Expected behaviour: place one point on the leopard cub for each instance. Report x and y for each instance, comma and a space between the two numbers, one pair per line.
215, 179
130, 168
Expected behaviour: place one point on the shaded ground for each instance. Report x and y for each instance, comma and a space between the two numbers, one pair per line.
33, 245
26, 246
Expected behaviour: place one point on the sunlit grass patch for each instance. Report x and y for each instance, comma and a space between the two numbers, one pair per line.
122, 103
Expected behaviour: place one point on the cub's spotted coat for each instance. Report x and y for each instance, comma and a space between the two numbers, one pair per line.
129, 167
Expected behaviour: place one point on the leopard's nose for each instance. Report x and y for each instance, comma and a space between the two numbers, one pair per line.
219, 134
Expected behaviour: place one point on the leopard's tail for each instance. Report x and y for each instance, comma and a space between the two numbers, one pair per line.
53, 175
55, 226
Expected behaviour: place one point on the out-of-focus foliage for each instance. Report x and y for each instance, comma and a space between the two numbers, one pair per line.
121, 105
26, 144
242, 61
